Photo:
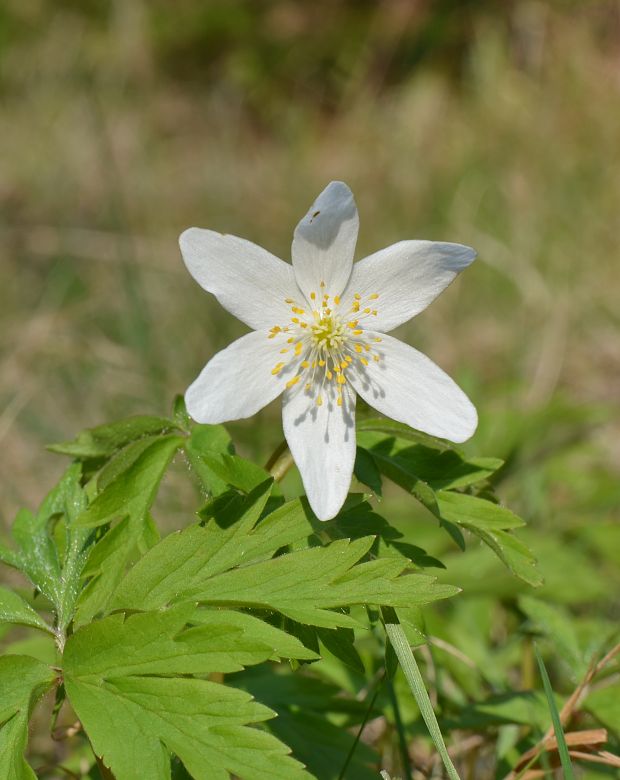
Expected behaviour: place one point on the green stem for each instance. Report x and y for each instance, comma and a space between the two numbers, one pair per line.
280, 463
408, 664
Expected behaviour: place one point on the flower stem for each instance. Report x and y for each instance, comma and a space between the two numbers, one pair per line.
280, 462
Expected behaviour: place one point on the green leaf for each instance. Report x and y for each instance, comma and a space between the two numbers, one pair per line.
408, 664
106, 566
13, 609
366, 470
309, 586
131, 482
567, 766
475, 513
123, 678
211, 441
558, 625
196, 554
235, 471
392, 428
23, 681
50, 569
263, 634
314, 718
440, 468
514, 554
104, 440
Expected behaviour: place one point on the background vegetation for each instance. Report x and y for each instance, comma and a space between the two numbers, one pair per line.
492, 124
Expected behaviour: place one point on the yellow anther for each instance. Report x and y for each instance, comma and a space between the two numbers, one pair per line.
376, 358
329, 375
352, 324
339, 401
277, 368
377, 340
298, 348
374, 312
341, 379
293, 381
358, 347
283, 351
367, 347
289, 300
337, 300
357, 297
291, 340
308, 387
314, 364
356, 306
321, 363
303, 324
363, 361
319, 401
295, 320
297, 310
366, 311
322, 283
305, 364
336, 368
344, 364
272, 335
313, 296
358, 332
275, 329
374, 296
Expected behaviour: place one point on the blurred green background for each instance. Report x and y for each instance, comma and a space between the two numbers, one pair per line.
495, 124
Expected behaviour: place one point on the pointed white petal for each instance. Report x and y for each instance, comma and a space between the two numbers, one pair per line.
408, 387
324, 241
407, 277
247, 280
322, 442
238, 381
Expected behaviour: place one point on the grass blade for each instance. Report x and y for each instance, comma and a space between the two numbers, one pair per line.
567, 767
408, 664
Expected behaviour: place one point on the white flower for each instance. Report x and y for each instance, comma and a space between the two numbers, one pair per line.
318, 336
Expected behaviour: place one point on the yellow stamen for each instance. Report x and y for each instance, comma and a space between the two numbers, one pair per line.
277, 368
319, 401
337, 300
363, 361
293, 381
341, 379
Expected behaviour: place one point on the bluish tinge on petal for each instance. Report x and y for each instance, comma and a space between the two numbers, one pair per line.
247, 280
324, 242
322, 441
407, 386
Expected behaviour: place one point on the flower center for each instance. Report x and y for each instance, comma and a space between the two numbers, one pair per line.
325, 342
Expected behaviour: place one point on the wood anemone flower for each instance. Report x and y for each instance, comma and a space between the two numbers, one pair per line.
319, 337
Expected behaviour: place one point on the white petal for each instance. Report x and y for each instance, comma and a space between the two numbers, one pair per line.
245, 278
324, 241
238, 381
407, 277
322, 442
408, 387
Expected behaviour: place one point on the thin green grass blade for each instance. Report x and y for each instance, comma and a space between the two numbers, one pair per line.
408, 664
567, 766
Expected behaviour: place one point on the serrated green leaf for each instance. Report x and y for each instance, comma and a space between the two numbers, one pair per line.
213, 441
37, 554
107, 563
472, 512
439, 467
305, 585
196, 554
132, 488
114, 673
13, 609
513, 553
305, 705
283, 645
104, 440
23, 681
